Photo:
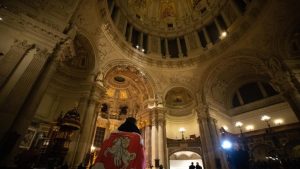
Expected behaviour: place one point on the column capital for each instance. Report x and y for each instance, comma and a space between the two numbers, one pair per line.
24, 45
42, 53
97, 91
202, 109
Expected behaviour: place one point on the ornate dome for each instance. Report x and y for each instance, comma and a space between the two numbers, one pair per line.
170, 33
169, 16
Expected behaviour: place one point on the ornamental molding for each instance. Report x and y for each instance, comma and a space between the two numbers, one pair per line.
240, 27
217, 77
45, 34
24, 45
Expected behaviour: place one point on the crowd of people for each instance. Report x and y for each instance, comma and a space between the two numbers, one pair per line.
192, 166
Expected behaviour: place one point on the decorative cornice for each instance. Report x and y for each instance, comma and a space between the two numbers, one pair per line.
45, 34
240, 27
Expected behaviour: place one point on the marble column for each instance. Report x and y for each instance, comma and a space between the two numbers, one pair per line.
206, 138
158, 136
86, 127
154, 147
216, 140
211, 152
147, 143
82, 106
161, 147
12, 58
88, 124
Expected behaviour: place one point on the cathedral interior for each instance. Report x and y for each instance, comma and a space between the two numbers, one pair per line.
202, 78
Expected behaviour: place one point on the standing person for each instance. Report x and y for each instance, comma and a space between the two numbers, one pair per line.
198, 166
192, 166
123, 149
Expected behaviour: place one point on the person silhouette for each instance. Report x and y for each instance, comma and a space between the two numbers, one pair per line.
198, 166
192, 166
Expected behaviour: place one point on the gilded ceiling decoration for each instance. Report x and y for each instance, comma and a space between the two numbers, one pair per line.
126, 87
180, 14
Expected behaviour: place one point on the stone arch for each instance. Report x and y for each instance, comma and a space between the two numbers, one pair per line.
94, 48
79, 59
124, 63
223, 73
174, 150
84, 49
127, 85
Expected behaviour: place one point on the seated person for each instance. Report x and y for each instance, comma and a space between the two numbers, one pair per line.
124, 149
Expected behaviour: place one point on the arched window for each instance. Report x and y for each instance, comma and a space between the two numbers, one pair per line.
104, 108
251, 92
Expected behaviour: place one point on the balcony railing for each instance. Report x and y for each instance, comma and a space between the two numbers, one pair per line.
192, 142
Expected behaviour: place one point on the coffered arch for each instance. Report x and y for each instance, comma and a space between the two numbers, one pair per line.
124, 64
221, 76
128, 87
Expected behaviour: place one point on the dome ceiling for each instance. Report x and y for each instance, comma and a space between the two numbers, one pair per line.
169, 15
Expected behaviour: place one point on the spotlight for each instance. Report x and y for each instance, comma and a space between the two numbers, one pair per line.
1, 19
137, 46
226, 144
143, 50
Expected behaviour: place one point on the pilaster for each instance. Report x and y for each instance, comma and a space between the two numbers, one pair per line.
211, 152
15, 122
10, 61
88, 124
